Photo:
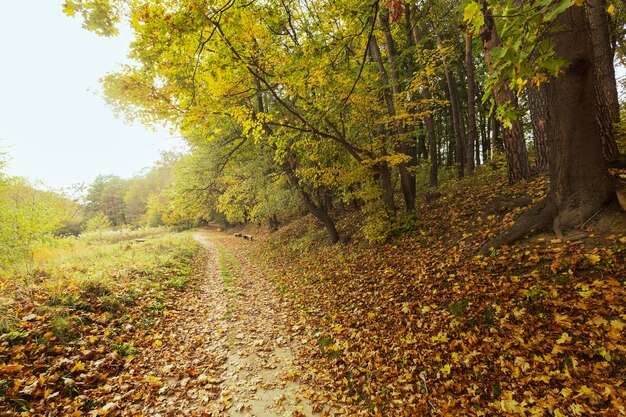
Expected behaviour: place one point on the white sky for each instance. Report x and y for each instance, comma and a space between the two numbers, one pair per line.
53, 124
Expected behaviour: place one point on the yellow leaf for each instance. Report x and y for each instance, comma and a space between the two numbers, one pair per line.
441, 337
78, 366
610, 9
445, 370
584, 391
593, 259
154, 381
563, 339
562, 320
9, 369
599, 321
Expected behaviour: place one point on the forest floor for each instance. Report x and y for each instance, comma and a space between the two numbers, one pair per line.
225, 351
224, 344
286, 325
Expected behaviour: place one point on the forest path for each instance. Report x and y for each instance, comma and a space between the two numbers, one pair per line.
225, 349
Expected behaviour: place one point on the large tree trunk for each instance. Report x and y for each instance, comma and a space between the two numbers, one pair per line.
514, 143
471, 106
580, 184
539, 118
607, 112
580, 181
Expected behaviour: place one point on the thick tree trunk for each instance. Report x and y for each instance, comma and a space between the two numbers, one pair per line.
607, 112
539, 118
514, 143
580, 181
580, 184
471, 106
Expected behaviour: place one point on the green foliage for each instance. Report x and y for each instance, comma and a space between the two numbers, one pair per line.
98, 223
525, 55
28, 217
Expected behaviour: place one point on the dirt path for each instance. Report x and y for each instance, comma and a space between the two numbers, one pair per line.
224, 350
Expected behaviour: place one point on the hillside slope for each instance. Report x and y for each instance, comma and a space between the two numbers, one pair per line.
422, 326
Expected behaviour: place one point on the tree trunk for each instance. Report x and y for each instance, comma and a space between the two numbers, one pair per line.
607, 112
514, 143
580, 184
412, 28
457, 123
432, 145
407, 180
384, 176
539, 118
471, 106
580, 181
316, 210
498, 143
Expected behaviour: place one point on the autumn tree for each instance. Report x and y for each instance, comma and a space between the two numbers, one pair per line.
580, 183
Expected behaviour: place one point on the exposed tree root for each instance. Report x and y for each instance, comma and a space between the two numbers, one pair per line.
535, 219
541, 217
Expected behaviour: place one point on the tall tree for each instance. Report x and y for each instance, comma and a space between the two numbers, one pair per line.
472, 134
607, 103
539, 120
580, 183
514, 142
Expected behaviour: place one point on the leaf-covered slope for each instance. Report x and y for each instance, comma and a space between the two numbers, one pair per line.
420, 326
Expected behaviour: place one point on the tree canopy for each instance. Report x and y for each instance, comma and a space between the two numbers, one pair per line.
347, 103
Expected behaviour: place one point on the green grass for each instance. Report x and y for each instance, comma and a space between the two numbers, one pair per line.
229, 268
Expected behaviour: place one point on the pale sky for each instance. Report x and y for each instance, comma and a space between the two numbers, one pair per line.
53, 123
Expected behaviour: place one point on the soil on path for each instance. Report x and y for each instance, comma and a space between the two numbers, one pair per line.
224, 350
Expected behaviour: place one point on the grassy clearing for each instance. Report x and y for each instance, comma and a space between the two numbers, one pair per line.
74, 319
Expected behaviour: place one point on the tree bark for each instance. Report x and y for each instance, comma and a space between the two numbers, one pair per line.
580, 184
514, 143
432, 145
539, 118
498, 143
607, 112
471, 106
407, 180
457, 123
412, 29
316, 210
